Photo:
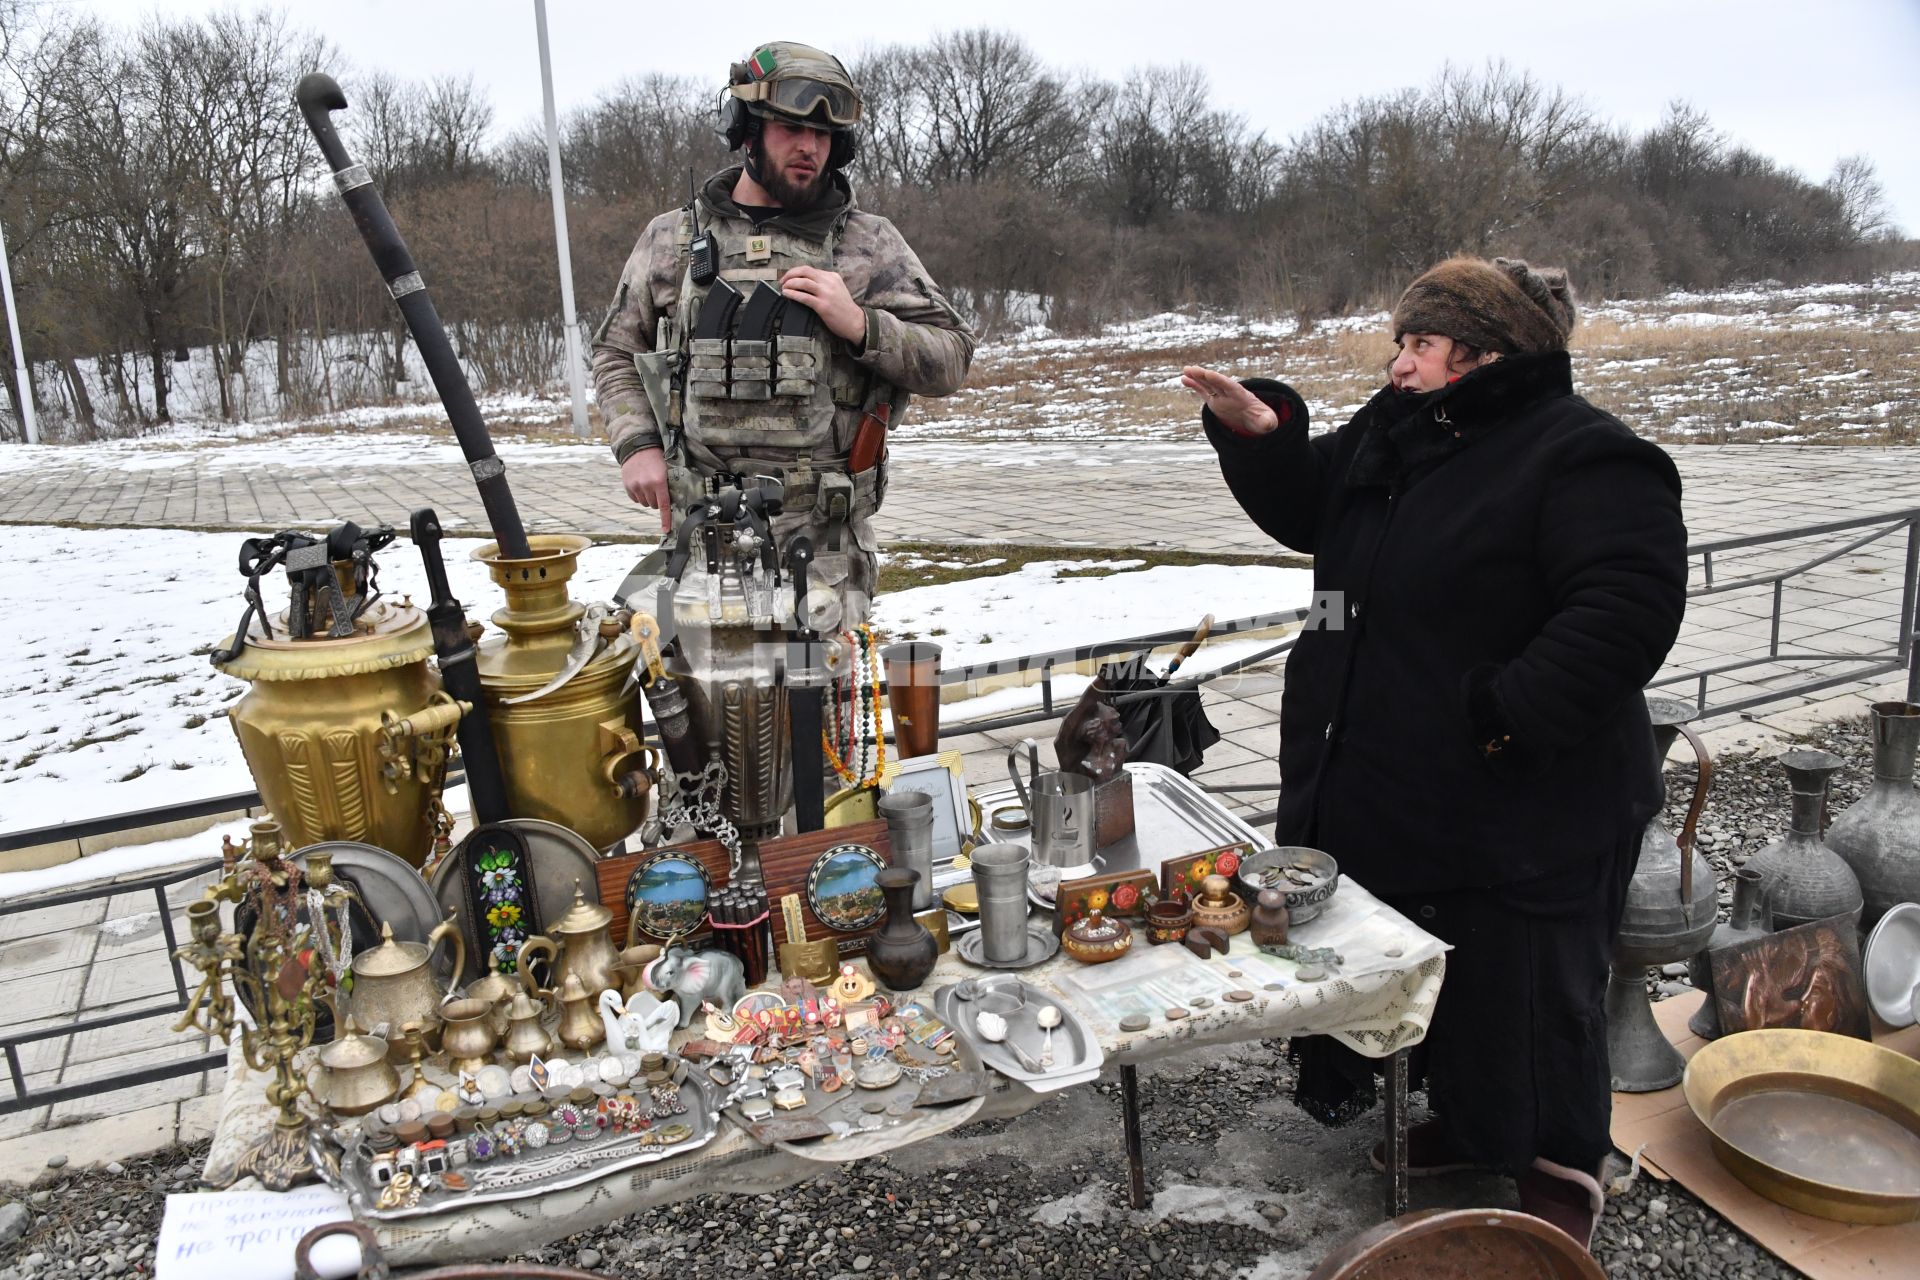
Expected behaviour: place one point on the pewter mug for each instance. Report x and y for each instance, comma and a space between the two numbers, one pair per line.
1059, 810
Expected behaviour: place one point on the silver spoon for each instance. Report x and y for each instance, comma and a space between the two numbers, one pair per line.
1048, 1016
993, 1028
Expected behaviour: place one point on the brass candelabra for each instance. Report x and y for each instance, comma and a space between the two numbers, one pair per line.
284, 968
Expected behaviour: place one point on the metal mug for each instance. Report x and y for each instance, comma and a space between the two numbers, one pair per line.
909, 816
1000, 880
1059, 811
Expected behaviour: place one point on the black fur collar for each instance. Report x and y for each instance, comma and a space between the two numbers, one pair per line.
1406, 436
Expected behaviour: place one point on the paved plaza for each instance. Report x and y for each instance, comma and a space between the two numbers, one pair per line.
109, 954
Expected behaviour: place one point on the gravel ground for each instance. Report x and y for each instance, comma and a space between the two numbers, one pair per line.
1242, 1183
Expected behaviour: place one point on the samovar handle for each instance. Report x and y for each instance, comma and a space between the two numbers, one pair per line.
448, 929
1687, 829
622, 745
541, 943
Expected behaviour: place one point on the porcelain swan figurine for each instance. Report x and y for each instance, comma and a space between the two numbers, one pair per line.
640, 1025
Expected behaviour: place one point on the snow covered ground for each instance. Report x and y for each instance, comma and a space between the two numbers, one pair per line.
110, 704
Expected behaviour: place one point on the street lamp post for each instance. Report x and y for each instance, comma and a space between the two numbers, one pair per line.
576, 380
19, 350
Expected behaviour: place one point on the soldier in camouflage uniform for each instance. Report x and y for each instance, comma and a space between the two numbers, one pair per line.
684, 408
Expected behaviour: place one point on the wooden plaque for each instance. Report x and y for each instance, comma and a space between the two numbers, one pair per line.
1076, 898
784, 864
613, 874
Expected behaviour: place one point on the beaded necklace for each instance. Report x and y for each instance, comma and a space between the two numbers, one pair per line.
857, 724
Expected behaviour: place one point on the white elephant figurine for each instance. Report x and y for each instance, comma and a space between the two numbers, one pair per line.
643, 1024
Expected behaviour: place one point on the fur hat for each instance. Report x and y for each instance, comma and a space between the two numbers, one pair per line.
1504, 305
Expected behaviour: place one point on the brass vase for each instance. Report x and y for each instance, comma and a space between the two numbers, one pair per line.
571, 756
322, 730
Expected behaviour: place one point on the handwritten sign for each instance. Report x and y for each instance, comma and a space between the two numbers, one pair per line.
250, 1235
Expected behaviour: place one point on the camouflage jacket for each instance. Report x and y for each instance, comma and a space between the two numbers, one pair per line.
916, 341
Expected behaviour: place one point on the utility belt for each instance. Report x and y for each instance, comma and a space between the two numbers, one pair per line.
825, 493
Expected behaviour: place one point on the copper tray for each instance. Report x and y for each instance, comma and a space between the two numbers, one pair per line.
1822, 1123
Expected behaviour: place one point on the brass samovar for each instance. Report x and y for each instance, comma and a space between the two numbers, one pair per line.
569, 737
346, 736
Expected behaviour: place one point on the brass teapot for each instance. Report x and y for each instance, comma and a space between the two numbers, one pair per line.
353, 1076
581, 946
527, 1035
393, 983
580, 1027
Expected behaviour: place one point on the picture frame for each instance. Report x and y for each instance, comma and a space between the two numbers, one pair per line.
1807, 977
1075, 899
1182, 876
944, 777
786, 867
612, 875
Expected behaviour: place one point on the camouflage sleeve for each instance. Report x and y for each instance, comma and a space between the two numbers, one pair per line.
647, 287
915, 338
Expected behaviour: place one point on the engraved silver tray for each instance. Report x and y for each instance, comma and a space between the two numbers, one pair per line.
522, 1177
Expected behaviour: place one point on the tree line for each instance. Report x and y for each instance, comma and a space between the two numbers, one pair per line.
161, 196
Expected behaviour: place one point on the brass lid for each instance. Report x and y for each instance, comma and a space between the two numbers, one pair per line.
390, 957
390, 634
523, 1007
573, 989
583, 916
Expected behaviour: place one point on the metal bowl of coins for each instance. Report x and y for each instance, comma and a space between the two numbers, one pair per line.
1306, 877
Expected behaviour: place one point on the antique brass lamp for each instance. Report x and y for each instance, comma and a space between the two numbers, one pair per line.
284, 968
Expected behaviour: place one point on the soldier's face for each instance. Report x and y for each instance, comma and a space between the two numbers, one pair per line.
793, 162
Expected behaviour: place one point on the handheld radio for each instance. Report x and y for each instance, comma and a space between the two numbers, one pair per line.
702, 254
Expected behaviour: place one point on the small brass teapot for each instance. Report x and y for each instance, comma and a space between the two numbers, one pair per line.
527, 1035
353, 1076
393, 983
580, 1025
581, 946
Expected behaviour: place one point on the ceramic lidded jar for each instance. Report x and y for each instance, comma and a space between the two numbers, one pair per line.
902, 952
1218, 907
1096, 938
1168, 921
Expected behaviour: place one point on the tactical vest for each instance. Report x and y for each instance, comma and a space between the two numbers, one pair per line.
776, 394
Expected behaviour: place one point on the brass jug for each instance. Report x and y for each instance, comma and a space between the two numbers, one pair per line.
393, 983
526, 1032
498, 990
581, 1027
347, 739
581, 946
468, 1038
572, 756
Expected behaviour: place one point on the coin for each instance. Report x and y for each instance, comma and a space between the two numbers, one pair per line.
1176, 1013
1311, 973
1134, 1022
1239, 997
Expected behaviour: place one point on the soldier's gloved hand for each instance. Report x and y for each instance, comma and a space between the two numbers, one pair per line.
644, 473
827, 294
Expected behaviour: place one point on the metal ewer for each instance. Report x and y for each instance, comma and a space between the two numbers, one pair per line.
1809, 880
1751, 918
1879, 836
1671, 907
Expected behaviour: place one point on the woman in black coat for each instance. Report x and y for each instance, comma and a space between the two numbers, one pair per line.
1505, 568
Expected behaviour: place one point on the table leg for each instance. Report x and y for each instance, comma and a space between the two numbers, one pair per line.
1397, 1134
1130, 1116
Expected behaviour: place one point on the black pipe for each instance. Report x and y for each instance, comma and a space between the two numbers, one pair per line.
460, 675
319, 97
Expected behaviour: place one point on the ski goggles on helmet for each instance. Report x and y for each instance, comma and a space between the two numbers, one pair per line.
800, 97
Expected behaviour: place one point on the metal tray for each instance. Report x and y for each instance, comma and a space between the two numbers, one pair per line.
1172, 816
1892, 965
560, 857
533, 1174
847, 1105
1077, 1054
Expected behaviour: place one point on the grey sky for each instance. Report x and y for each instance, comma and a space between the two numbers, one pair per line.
1804, 83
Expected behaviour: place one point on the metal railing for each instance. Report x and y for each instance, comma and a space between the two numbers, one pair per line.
1858, 666
11, 1042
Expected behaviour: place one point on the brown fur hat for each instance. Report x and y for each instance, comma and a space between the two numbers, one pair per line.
1504, 305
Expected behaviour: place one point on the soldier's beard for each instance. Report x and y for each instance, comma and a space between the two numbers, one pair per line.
793, 197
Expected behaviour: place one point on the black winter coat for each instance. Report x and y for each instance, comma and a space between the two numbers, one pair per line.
1510, 569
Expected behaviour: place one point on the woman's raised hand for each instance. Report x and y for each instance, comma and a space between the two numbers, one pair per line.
1232, 403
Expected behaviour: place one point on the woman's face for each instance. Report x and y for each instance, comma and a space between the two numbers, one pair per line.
1428, 361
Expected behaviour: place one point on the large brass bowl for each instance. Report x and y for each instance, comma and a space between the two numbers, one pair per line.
1826, 1124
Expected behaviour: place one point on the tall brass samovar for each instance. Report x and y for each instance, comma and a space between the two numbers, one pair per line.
346, 735
569, 738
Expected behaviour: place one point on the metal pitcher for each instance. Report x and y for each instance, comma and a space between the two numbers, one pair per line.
580, 946
1880, 835
393, 983
1059, 808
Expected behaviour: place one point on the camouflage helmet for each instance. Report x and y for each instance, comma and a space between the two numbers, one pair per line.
793, 82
